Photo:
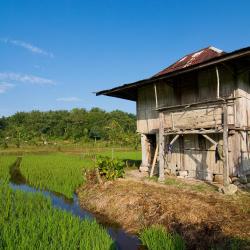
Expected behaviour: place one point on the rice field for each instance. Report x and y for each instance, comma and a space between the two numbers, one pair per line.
63, 173
28, 221
55, 172
5, 163
157, 238
125, 155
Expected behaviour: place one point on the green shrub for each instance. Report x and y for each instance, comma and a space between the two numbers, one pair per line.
110, 168
157, 238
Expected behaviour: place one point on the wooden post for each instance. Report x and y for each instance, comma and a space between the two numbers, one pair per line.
218, 82
144, 151
156, 96
225, 146
161, 148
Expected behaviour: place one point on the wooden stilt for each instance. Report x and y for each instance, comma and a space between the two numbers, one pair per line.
161, 147
225, 146
144, 147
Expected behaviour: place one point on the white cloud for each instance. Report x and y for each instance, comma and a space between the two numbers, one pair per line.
24, 78
5, 86
28, 46
68, 99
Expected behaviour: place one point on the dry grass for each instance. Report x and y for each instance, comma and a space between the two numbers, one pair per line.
204, 218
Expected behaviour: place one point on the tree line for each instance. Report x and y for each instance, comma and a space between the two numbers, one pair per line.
116, 127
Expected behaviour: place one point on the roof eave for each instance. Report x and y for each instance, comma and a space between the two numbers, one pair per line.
229, 56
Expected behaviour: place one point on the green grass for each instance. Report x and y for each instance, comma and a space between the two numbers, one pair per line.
5, 163
198, 187
56, 172
28, 221
157, 238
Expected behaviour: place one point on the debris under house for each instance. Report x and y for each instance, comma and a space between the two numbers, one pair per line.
194, 116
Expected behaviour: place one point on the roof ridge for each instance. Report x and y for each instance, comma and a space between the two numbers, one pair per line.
195, 57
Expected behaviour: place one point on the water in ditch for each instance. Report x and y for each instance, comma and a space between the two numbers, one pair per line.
124, 241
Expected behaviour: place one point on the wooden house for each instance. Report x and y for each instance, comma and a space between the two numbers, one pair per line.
194, 116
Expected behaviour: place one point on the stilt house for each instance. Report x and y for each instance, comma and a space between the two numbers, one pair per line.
194, 116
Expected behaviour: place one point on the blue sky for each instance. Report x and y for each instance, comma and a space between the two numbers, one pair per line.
54, 54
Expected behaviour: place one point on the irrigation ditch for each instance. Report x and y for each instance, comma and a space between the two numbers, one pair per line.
123, 240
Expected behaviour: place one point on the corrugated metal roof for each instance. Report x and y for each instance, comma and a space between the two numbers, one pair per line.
192, 59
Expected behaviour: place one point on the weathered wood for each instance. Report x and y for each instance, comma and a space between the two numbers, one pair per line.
198, 103
210, 139
202, 118
161, 147
154, 161
218, 82
144, 147
156, 96
175, 138
225, 147
193, 108
194, 132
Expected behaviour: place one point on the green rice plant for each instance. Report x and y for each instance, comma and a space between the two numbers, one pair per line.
28, 221
157, 238
5, 164
123, 155
56, 172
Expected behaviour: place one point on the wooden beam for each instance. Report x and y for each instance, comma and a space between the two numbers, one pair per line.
194, 132
156, 97
154, 161
161, 148
175, 138
225, 146
210, 139
212, 101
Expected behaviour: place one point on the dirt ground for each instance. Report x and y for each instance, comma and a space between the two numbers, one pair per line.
203, 216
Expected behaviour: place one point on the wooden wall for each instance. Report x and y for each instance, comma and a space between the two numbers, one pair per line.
206, 116
184, 90
147, 117
192, 152
197, 155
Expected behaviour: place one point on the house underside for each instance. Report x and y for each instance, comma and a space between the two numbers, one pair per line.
194, 119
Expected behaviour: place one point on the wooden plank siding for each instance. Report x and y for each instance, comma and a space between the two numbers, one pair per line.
202, 117
193, 152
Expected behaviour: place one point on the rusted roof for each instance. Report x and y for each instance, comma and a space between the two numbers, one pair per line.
192, 59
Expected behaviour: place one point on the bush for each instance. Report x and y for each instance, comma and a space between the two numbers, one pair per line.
157, 238
110, 168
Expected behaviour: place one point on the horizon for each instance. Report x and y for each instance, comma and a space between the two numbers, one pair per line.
68, 110
54, 56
